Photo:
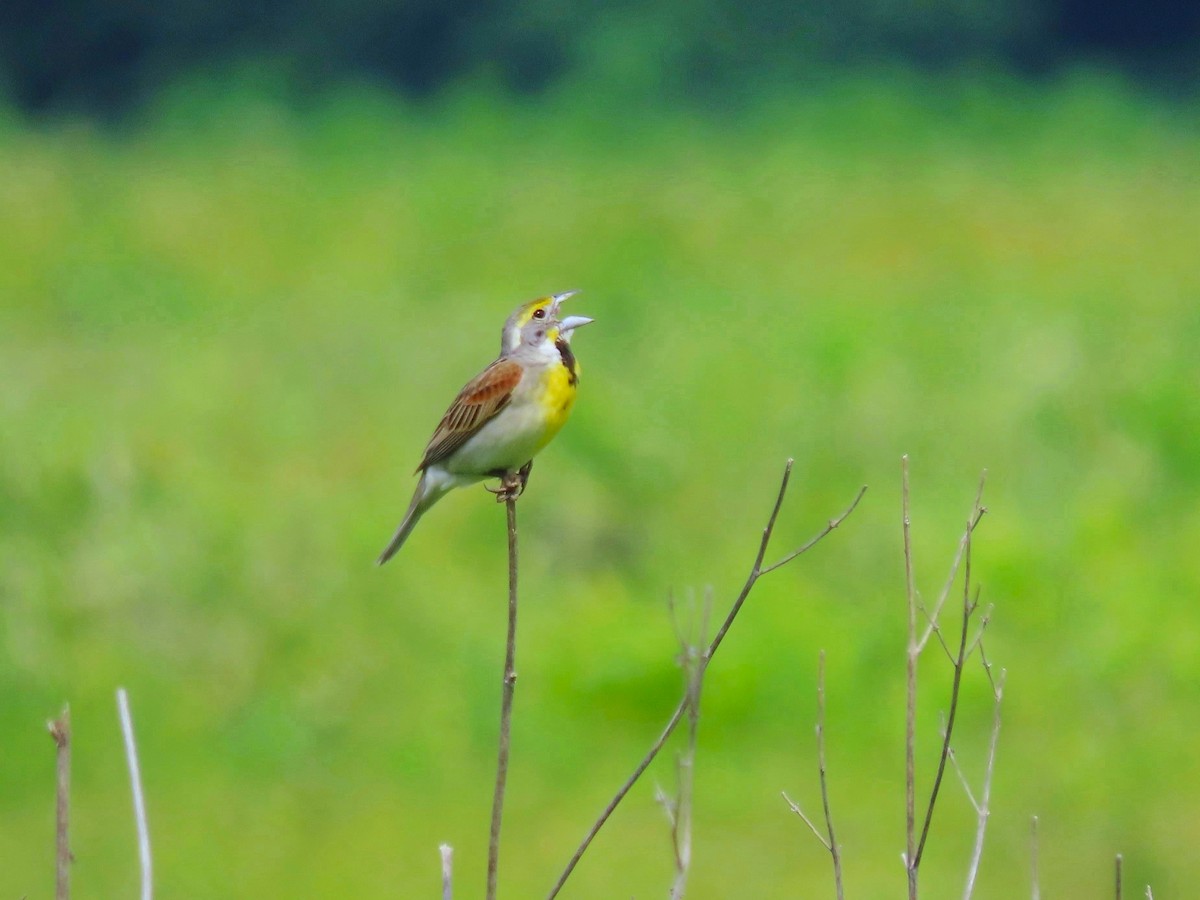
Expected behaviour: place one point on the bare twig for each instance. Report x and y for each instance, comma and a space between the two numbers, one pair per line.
951, 715
1120, 861
679, 810
795, 807
982, 808
1036, 890
447, 853
834, 850
139, 802
915, 845
756, 571
510, 491
829, 839
932, 617
668, 730
60, 731
910, 706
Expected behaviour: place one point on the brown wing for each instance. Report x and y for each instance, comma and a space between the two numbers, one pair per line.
484, 396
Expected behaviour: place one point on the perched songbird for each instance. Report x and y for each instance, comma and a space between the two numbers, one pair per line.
506, 414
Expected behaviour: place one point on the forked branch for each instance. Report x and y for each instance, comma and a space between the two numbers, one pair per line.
691, 638
963, 649
828, 839
757, 570
982, 804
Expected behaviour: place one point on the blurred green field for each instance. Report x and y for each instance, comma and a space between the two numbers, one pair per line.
227, 331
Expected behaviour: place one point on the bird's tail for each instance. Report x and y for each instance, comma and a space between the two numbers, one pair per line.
429, 491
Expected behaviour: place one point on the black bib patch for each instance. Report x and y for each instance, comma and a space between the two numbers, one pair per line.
568, 360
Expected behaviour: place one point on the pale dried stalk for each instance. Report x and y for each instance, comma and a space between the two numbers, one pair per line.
910, 706
1036, 890
829, 839
60, 731
796, 808
447, 853
951, 716
915, 846
931, 618
982, 805
139, 802
510, 491
679, 810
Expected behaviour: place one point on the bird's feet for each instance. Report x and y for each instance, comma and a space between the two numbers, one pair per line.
512, 484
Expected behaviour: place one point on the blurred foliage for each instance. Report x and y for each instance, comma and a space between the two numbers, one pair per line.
225, 335
104, 57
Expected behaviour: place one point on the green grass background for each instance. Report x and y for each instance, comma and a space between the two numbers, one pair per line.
227, 330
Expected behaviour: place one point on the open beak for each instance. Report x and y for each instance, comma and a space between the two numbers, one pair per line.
556, 299
570, 323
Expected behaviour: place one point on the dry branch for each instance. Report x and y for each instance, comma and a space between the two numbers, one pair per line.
1036, 890
910, 707
139, 802
447, 853
679, 809
60, 731
982, 805
829, 839
509, 492
958, 655
756, 571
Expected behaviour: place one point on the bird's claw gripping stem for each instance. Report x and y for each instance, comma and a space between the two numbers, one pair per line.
512, 484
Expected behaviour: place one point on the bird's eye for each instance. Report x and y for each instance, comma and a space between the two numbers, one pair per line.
539, 313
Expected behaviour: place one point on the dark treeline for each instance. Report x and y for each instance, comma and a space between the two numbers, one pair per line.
109, 55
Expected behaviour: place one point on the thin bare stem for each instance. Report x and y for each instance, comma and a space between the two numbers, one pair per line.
962, 778
977, 514
987, 667
1120, 861
834, 849
982, 808
139, 802
60, 731
795, 807
679, 812
829, 839
977, 642
507, 687
910, 706
915, 845
756, 571
447, 853
820, 535
608, 810
1036, 890
952, 713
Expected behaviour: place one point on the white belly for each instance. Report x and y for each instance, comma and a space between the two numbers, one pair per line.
505, 443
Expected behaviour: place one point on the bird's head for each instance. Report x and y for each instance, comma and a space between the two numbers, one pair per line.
537, 321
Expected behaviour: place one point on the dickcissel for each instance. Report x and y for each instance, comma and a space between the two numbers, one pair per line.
506, 414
